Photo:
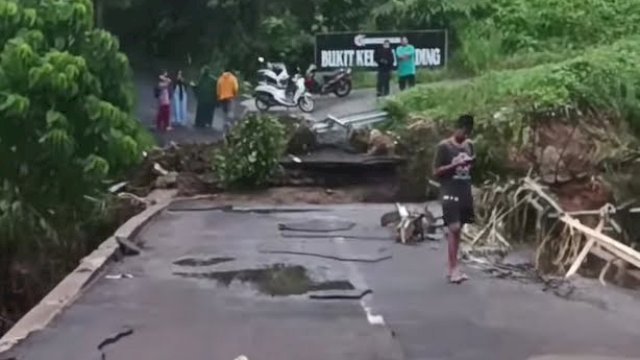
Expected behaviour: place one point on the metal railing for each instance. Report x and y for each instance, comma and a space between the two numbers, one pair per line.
349, 122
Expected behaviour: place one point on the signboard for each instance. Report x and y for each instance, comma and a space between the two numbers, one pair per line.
357, 50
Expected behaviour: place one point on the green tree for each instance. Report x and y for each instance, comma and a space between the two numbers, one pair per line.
65, 128
65, 101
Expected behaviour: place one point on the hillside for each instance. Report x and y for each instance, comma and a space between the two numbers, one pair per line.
554, 87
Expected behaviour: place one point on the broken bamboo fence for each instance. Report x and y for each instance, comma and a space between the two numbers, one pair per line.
505, 212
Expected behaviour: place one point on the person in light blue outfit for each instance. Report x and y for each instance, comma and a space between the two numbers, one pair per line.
406, 59
179, 102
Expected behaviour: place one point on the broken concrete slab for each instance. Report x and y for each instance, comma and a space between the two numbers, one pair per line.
128, 247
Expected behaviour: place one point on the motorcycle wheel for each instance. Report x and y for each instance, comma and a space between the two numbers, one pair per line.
306, 104
262, 105
343, 89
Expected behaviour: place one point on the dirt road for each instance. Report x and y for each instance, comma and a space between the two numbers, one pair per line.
217, 284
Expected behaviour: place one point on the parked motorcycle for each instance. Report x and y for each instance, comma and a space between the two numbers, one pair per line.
338, 82
287, 93
273, 73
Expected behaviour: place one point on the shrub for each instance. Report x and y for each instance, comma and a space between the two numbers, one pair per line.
251, 152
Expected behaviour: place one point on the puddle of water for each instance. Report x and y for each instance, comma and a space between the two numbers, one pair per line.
194, 262
276, 280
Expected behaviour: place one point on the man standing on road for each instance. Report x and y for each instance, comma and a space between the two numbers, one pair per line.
384, 58
227, 92
406, 56
452, 167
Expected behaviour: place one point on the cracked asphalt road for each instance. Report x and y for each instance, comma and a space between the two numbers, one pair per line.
411, 314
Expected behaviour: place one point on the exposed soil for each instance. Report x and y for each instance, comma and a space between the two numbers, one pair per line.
582, 195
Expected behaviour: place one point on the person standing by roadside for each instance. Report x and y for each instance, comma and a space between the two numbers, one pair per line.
164, 102
453, 161
179, 101
205, 91
385, 59
406, 56
227, 92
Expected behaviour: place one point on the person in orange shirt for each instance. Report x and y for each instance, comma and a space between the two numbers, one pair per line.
227, 92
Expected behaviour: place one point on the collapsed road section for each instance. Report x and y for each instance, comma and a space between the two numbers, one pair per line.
222, 284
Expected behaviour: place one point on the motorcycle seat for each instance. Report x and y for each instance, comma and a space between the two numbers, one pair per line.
332, 74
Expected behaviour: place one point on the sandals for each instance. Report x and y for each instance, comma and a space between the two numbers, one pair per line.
457, 278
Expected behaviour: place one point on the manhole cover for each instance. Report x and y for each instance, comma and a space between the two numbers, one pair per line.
318, 226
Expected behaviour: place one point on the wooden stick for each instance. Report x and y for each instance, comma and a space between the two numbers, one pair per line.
604, 271
499, 218
617, 248
540, 192
585, 251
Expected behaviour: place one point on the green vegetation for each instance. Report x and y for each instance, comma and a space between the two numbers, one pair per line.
65, 105
555, 87
251, 152
531, 59
605, 78
367, 80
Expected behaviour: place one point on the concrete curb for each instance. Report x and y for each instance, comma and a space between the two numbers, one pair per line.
69, 289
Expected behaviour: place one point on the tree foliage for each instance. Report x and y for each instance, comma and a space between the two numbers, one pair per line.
65, 128
232, 32
65, 101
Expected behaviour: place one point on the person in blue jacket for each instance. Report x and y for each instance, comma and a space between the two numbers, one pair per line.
406, 59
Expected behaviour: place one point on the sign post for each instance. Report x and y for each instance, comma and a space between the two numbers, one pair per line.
357, 50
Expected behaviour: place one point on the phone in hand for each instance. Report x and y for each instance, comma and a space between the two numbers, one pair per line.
466, 161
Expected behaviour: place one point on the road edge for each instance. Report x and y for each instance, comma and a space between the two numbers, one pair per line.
70, 288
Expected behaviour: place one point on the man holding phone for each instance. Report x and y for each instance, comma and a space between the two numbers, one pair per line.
453, 161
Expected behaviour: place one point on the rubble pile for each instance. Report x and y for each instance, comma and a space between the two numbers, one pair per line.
186, 168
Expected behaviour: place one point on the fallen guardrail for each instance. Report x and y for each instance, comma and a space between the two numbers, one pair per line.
349, 122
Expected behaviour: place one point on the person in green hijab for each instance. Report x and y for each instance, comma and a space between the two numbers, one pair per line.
206, 95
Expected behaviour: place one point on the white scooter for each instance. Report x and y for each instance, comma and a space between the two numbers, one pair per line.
268, 95
273, 74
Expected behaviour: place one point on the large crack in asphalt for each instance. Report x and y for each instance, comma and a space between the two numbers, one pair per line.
195, 262
330, 257
290, 235
355, 294
318, 226
275, 280
112, 340
178, 207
